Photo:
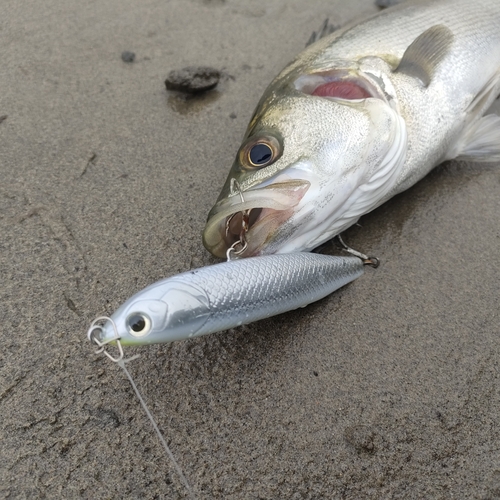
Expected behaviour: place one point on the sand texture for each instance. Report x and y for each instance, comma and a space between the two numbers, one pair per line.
387, 389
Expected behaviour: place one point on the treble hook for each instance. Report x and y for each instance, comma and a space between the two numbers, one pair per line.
236, 184
367, 261
245, 218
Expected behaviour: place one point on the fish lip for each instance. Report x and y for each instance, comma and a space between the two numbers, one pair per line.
276, 200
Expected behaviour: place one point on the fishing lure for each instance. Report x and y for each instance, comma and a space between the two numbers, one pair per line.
226, 295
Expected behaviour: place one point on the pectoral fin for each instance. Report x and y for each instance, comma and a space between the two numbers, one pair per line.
480, 141
480, 138
483, 100
422, 57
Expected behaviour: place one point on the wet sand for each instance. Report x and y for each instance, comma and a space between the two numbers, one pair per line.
387, 389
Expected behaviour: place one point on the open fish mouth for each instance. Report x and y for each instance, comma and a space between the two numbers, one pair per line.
266, 209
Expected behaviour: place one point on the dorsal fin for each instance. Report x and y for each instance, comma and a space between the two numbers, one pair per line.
425, 53
326, 29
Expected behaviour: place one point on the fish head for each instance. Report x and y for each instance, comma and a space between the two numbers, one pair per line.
302, 159
163, 312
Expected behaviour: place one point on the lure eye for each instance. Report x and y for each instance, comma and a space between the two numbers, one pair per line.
260, 152
138, 324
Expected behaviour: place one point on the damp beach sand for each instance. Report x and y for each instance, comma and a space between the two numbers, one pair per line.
389, 388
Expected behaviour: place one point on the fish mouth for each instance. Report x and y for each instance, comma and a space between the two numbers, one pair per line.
266, 209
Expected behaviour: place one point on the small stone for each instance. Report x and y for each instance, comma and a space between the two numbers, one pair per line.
193, 79
232, 115
387, 3
107, 418
128, 57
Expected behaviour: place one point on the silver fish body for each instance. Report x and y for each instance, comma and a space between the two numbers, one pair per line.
360, 116
226, 295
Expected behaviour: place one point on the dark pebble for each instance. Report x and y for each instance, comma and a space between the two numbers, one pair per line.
387, 3
3, 117
193, 79
361, 437
128, 57
107, 418
233, 116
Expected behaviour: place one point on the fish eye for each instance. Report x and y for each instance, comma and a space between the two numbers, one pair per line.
138, 324
260, 152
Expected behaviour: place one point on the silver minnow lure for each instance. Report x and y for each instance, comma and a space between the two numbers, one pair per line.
215, 298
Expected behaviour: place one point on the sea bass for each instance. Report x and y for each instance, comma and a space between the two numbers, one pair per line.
215, 298
357, 118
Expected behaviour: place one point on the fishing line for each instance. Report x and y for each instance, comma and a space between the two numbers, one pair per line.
121, 364
120, 361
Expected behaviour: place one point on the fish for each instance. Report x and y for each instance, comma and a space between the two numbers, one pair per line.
358, 117
225, 295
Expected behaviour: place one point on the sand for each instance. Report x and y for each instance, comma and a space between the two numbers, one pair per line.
387, 389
